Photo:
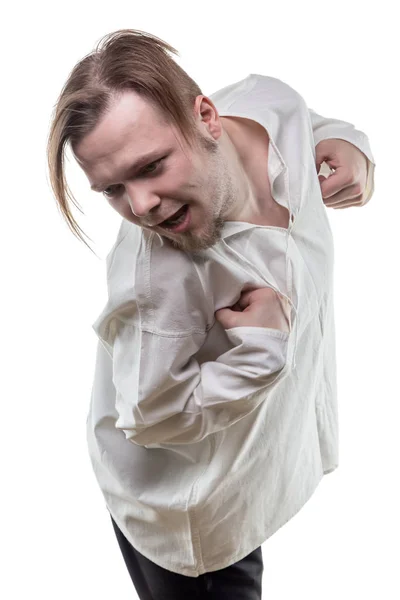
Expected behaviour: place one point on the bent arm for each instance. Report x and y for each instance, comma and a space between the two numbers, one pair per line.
164, 396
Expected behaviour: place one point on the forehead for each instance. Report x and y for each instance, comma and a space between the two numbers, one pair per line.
132, 123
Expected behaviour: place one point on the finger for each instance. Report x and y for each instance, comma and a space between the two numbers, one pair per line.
246, 297
342, 198
244, 300
226, 317
346, 205
335, 183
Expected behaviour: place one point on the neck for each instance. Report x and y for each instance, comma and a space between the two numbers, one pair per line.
239, 150
246, 144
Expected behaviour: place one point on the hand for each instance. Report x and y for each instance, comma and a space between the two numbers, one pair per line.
261, 307
347, 185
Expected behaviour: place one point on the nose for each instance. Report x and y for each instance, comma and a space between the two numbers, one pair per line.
141, 201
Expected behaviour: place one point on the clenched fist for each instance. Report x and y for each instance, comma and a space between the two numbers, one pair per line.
261, 307
347, 186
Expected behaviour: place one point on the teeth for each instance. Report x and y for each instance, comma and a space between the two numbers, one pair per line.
177, 220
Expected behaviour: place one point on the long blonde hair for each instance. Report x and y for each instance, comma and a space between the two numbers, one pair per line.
127, 59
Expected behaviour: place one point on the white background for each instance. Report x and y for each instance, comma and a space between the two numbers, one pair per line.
56, 535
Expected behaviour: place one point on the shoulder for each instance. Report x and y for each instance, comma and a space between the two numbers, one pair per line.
153, 286
273, 87
169, 290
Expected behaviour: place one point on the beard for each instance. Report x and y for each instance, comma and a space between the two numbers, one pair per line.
192, 242
223, 191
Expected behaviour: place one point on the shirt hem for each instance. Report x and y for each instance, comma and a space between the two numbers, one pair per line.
229, 561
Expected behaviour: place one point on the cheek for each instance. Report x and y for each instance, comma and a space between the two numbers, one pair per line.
185, 171
122, 207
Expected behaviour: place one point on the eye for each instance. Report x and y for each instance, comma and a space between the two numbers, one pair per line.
154, 164
144, 172
109, 194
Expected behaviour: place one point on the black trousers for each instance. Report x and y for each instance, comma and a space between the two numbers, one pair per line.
240, 581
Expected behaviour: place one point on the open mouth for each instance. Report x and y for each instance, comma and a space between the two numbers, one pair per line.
176, 219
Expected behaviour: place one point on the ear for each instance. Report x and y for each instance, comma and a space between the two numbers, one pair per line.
207, 116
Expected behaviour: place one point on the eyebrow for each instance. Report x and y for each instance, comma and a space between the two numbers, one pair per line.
140, 163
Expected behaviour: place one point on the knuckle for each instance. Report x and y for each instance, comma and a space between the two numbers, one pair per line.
270, 293
266, 291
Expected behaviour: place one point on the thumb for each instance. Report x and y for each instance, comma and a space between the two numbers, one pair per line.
322, 179
226, 317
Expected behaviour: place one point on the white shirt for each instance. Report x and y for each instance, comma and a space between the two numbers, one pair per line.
205, 442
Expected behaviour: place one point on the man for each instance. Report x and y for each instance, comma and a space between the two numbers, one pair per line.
213, 414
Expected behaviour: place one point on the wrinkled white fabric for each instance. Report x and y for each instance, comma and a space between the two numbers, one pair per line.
203, 441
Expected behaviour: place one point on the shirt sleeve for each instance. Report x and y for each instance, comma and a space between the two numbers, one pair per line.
327, 128
164, 396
